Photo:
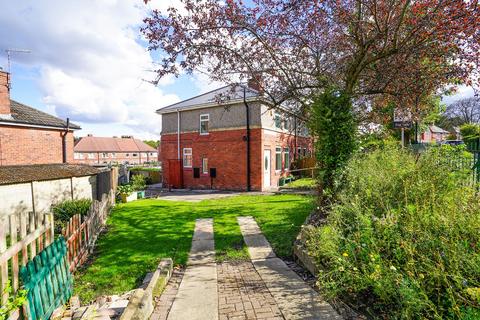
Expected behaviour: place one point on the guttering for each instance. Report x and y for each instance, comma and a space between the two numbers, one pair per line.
247, 112
21, 124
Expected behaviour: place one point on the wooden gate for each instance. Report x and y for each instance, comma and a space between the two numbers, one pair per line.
175, 174
48, 280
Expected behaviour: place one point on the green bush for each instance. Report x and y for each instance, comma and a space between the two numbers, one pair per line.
334, 127
14, 302
403, 240
62, 212
138, 182
125, 189
470, 132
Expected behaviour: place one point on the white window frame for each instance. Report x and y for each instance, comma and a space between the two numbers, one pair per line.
186, 152
204, 118
91, 155
278, 151
205, 165
286, 153
277, 116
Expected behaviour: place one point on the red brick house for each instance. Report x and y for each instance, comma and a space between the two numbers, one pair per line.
230, 138
434, 134
105, 150
30, 136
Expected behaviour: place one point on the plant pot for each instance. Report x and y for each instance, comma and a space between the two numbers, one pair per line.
141, 194
281, 182
128, 197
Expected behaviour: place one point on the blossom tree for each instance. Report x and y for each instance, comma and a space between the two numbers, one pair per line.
374, 52
383, 49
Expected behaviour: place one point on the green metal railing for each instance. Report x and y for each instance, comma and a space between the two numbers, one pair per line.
48, 280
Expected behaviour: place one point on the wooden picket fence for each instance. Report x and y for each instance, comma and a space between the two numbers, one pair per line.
22, 236
47, 280
81, 233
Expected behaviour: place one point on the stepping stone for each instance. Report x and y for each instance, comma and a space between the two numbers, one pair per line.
295, 298
197, 297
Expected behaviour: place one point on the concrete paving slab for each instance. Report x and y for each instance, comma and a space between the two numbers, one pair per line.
258, 246
197, 297
295, 298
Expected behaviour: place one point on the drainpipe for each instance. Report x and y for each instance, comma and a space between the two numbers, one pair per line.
64, 142
247, 112
178, 134
295, 136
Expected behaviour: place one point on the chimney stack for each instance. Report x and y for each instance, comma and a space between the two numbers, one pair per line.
5, 112
256, 83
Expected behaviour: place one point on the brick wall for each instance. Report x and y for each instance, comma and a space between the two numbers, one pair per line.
24, 145
225, 151
271, 140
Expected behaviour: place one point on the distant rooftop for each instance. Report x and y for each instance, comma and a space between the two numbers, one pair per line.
23, 114
228, 94
114, 144
436, 129
42, 172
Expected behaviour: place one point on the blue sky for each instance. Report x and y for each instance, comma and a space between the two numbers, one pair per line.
88, 62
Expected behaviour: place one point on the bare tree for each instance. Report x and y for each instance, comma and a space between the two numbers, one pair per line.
467, 110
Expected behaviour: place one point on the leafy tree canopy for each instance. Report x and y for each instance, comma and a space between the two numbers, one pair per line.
376, 51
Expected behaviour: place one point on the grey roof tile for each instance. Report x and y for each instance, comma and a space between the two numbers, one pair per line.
24, 114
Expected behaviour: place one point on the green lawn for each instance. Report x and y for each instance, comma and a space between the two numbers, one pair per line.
140, 233
303, 183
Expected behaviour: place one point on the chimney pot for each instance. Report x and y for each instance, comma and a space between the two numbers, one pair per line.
256, 83
5, 111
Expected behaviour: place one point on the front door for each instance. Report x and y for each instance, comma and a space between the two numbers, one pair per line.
266, 168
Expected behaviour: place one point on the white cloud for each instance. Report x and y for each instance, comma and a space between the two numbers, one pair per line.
462, 93
91, 59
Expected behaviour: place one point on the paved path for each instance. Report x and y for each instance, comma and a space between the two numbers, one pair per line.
263, 288
197, 297
293, 296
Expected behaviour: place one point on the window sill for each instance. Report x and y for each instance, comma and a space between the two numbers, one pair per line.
204, 134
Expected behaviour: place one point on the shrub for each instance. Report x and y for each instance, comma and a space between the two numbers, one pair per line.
403, 238
470, 132
62, 212
14, 302
125, 189
138, 182
334, 127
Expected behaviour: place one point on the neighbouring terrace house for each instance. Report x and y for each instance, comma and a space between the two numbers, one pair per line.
231, 138
30, 136
112, 150
434, 134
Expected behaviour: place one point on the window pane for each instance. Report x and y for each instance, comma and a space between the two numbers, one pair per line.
205, 166
187, 157
286, 155
278, 158
204, 119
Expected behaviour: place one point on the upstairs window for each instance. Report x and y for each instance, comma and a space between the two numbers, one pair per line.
204, 120
91, 156
278, 158
187, 157
113, 154
104, 155
278, 120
